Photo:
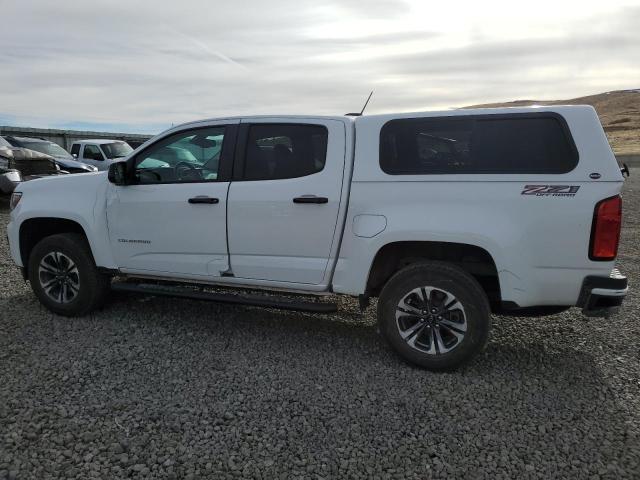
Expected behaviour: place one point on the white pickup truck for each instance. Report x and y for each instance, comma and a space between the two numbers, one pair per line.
445, 217
100, 153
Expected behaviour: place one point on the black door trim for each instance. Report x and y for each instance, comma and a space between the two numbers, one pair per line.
241, 148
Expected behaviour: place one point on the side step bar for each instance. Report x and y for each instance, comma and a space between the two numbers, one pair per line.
242, 299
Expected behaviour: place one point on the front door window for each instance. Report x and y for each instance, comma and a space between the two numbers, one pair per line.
92, 152
184, 157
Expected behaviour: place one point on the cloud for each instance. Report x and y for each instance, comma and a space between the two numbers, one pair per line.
144, 65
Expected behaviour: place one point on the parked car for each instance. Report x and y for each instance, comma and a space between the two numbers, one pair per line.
63, 158
445, 217
21, 164
100, 153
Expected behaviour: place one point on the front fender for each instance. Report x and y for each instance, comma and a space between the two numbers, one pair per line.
79, 198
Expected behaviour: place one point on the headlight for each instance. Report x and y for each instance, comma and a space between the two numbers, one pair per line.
15, 199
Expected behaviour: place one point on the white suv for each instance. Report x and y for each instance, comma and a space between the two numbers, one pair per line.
445, 217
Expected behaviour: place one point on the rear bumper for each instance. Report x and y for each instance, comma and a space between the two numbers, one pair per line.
603, 296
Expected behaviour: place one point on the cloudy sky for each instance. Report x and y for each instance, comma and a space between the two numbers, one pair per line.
140, 66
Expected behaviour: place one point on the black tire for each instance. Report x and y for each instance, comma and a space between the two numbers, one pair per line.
444, 279
93, 287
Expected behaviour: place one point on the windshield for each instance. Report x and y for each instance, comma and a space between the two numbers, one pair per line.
115, 150
49, 148
4, 143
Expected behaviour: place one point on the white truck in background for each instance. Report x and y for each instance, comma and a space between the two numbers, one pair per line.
445, 217
100, 153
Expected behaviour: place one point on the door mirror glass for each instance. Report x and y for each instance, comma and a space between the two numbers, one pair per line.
118, 173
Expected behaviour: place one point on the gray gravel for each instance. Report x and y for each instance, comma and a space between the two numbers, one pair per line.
163, 388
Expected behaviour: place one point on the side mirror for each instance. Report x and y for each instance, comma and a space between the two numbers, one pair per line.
74, 155
118, 173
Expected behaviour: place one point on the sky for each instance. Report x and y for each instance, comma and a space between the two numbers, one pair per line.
141, 66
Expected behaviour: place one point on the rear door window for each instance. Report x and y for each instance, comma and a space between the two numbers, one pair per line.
279, 151
489, 144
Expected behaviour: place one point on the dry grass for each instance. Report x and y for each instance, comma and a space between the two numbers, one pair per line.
619, 112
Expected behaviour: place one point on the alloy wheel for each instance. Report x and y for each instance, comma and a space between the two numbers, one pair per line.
59, 277
431, 320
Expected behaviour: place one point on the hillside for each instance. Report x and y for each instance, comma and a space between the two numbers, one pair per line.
619, 112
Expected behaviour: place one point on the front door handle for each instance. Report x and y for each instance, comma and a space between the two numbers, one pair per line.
203, 199
310, 199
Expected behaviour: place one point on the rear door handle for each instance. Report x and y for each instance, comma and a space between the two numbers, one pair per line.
203, 199
310, 199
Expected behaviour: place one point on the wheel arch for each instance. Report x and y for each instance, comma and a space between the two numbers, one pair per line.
33, 230
475, 260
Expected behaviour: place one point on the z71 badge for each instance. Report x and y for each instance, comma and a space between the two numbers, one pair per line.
551, 190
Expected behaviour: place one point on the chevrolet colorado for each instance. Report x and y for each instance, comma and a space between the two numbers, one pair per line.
445, 217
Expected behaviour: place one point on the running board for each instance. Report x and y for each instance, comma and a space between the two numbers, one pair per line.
242, 299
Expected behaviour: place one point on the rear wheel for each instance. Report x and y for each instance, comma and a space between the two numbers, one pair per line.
434, 315
64, 276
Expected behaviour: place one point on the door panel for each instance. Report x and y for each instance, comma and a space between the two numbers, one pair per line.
173, 222
155, 228
271, 237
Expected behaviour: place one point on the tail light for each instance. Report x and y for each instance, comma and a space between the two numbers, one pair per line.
605, 231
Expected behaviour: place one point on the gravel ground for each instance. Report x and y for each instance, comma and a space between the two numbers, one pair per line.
164, 388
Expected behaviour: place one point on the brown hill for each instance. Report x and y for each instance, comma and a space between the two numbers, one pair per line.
619, 112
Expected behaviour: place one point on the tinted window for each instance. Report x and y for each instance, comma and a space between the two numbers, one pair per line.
489, 144
92, 152
75, 149
49, 148
187, 156
116, 149
284, 151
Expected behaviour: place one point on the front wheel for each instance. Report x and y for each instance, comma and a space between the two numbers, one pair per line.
64, 276
434, 315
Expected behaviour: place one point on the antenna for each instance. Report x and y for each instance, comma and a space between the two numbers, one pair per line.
366, 103
361, 111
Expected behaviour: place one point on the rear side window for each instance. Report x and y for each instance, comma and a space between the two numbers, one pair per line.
527, 143
278, 151
75, 149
